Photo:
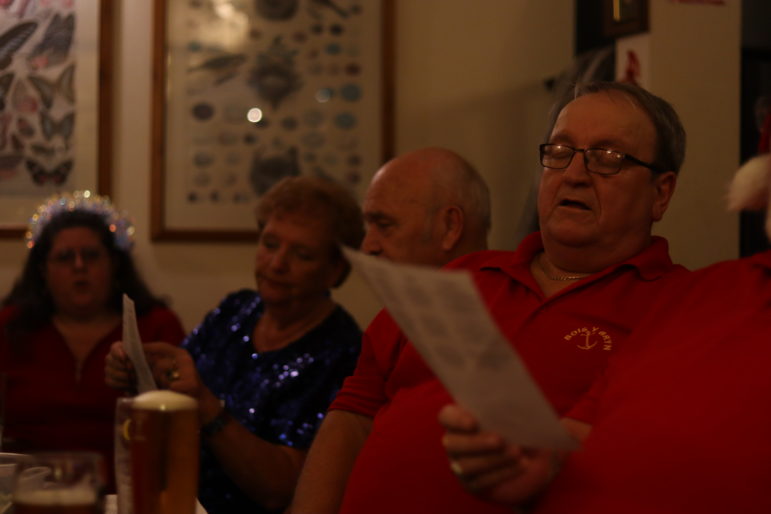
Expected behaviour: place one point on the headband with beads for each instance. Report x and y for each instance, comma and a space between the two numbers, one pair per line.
117, 222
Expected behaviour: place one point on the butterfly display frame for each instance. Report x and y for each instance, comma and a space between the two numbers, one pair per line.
55, 116
249, 91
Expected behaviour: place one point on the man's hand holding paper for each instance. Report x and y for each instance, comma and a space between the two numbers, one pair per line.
446, 320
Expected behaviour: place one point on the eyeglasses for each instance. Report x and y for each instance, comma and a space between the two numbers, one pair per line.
601, 161
69, 256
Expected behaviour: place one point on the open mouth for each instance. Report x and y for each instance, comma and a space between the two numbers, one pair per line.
574, 204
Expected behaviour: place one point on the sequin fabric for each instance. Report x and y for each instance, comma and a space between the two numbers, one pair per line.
281, 395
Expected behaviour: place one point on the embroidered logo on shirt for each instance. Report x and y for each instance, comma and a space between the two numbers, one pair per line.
587, 338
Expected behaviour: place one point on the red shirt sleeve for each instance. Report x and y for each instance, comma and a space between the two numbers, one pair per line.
365, 391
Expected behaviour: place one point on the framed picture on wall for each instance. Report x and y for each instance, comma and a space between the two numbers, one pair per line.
54, 103
624, 17
250, 91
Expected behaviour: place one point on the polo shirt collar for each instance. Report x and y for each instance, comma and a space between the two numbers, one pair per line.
651, 263
762, 260
517, 264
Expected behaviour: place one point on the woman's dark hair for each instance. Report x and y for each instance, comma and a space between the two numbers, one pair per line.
30, 295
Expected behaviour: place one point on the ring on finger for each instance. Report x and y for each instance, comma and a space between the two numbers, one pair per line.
456, 468
172, 374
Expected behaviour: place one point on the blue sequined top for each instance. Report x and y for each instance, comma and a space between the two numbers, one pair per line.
281, 395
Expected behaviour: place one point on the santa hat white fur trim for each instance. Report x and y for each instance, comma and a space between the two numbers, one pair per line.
750, 188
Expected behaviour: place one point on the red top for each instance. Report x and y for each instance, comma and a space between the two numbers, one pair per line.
564, 340
49, 405
683, 420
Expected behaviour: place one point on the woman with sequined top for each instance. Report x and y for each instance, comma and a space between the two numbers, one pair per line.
265, 365
61, 317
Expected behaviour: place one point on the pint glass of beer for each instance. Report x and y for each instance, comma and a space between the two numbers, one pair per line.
164, 453
62, 483
122, 457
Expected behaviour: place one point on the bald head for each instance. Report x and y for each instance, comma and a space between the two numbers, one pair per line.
427, 207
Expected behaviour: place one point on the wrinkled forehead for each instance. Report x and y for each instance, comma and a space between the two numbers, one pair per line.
395, 193
604, 118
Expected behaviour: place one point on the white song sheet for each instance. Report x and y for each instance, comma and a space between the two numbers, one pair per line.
445, 318
133, 346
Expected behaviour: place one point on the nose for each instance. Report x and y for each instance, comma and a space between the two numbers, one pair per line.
576, 172
280, 259
79, 262
370, 244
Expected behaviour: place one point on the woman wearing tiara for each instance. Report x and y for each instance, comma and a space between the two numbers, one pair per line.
59, 320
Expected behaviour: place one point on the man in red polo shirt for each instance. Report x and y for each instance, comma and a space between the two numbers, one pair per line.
679, 421
566, 298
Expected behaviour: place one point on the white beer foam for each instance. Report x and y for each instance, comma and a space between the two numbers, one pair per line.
164, 400
61, 497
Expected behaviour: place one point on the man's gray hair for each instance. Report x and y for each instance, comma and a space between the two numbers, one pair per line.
670, 134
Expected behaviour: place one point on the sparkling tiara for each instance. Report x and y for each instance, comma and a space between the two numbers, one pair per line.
117, 222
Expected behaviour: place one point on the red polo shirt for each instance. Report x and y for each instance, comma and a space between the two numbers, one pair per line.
50, 404
564, 340
683, 418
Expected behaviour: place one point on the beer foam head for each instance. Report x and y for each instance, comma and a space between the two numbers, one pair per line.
164, 401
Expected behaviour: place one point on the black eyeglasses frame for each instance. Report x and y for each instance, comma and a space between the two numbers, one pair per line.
624, 157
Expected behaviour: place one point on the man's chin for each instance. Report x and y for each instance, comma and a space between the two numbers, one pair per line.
573, 237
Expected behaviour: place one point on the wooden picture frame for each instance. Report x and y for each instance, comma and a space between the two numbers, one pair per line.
624, 17
56, 86
250, 93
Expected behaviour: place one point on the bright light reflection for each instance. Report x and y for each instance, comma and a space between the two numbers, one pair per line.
224, 9
230, 29
254, 115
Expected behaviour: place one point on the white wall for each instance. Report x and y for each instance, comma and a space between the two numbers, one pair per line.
695, 52
469, 77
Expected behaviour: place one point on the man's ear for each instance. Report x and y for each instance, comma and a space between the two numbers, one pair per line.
452, 222
664, 184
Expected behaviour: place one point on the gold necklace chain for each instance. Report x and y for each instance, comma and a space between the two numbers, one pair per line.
561, 278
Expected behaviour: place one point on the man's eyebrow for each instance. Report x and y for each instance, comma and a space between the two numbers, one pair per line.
613, 144
605, 142
559, 139
375, 216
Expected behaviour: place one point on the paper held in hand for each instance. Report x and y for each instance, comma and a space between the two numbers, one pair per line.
446, 320
133, 346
